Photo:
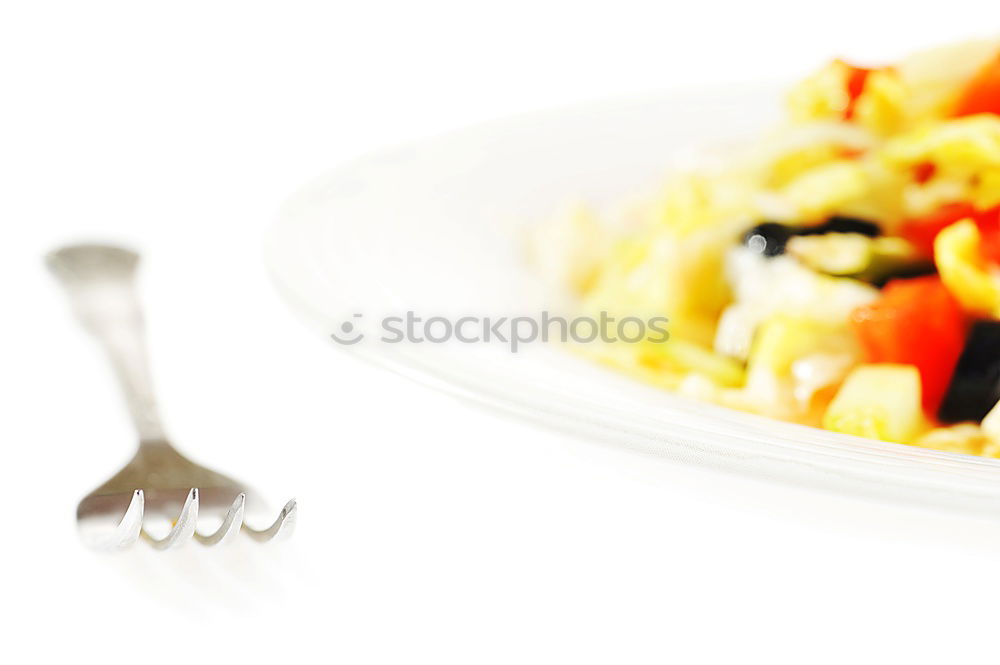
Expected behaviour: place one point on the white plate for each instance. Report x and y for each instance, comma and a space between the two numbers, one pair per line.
437, 227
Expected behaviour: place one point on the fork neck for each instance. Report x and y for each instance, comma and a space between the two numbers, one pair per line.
125, 345
100, 281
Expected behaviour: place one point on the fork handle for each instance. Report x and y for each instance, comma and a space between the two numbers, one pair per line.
100, 281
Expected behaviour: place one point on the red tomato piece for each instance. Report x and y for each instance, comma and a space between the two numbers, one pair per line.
924, 171
915, 322
982, 94
988, 222
856, 79
922, 230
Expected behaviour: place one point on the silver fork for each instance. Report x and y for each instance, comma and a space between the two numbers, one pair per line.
158, 484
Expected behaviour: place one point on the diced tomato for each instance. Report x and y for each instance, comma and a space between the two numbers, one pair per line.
922, 230
988, 222
856, 79
850, 153
915, 322
924, 171
982, 94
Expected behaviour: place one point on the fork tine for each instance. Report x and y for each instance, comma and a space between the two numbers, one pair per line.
127, 532
282, 527
183, 529
230, 525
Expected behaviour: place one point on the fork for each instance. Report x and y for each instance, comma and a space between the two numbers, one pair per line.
158, 484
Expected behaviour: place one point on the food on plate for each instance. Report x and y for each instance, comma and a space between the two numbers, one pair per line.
842, 271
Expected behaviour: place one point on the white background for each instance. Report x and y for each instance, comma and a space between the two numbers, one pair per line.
430, 531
